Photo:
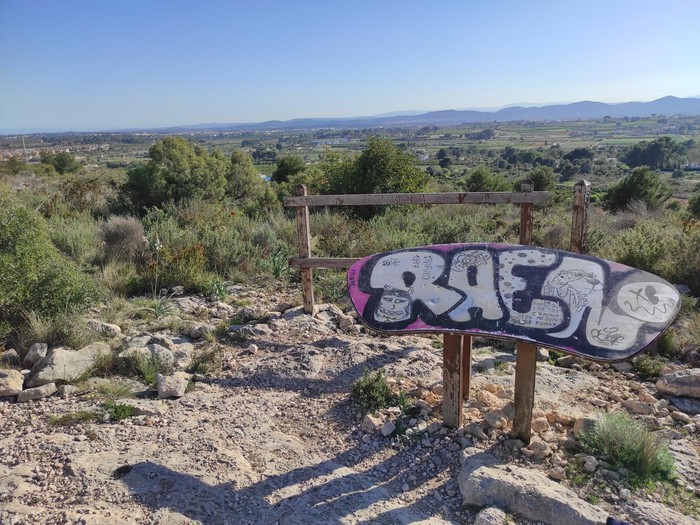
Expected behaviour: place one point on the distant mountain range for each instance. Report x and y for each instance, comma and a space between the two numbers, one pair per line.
667, 106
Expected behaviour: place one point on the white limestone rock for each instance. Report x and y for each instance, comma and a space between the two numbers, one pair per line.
11, 382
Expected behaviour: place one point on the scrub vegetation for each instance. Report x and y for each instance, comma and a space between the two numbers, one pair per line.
95, 218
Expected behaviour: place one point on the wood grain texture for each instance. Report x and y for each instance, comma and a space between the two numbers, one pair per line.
452, 381
525, 367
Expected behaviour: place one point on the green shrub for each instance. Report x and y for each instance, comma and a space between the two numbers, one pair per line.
76, 237
123, 238
643, 184
120, 278
34, 275
117, 411
331, 286
648, 246
694, 205
648, 367
372, 392
65, 328
144, 368
626, 443
206, 361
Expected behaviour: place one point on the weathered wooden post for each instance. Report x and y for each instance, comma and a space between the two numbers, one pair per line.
304, 240
452, 366
466, 379
579, 217
526, 353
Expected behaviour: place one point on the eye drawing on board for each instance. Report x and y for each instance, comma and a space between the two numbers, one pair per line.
573, 286
648, 301
394, 306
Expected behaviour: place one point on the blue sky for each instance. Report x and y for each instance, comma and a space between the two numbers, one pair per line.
82, 65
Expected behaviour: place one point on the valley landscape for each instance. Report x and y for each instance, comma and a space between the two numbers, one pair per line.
158, 366
319, 263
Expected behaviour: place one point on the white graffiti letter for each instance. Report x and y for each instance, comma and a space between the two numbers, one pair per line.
413, 274
473, 272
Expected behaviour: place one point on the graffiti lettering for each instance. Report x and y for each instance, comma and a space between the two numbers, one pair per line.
563, 300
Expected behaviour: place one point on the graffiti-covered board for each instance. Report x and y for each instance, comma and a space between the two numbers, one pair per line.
581, 305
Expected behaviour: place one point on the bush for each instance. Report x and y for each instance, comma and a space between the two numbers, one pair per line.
650, 246
648, 367
167, 267
371, 392
626, 443
34, 275
643, 184
76, 237
65, 328
694, 205
123, 238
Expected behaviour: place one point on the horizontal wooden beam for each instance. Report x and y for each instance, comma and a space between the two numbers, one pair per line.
418, 198
322, 262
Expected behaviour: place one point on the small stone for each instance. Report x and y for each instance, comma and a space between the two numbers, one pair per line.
66, 391
647, 397
490, 387
388, 428
624, 366
638, 407
475, 430
513, 444
104, 329
589, 463
496, 419
39, 392
542, 354
491, 516
680, 416
11, 382
434, 427
609, 474
366, 438
540, 425
252, 349
35, 352
566, 361
537, 449
371, 423
487, 399
405, 487
625, 494
172, 386
557, 473
200, 331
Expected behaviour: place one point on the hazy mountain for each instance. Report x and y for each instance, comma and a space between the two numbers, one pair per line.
578, 110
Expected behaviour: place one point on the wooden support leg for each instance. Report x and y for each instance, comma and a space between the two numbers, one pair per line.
525, 367
307, 289
466, 366
452, 381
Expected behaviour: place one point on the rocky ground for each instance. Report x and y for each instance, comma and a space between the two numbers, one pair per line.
271, 435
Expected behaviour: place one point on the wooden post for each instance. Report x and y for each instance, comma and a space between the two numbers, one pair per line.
466, 366
452, 381
579, 217
526, 358
304, 241
526, 214
525, 365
